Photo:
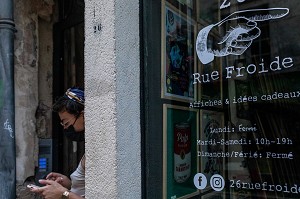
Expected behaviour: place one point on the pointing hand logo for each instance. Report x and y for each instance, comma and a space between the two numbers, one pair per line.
238, 38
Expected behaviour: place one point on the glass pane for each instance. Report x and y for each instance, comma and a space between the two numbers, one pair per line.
229, 94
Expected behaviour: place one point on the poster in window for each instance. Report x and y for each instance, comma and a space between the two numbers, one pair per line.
211, 151
180, 162
178, 56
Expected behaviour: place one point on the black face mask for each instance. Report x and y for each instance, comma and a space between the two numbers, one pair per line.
73, 135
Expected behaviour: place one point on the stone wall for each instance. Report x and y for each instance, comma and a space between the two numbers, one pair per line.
33, 84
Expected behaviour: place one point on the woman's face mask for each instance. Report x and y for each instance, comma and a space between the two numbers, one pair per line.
73, 135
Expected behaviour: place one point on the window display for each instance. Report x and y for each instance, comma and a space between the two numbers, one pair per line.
230, 98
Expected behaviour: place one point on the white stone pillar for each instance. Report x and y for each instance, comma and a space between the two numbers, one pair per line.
112, 113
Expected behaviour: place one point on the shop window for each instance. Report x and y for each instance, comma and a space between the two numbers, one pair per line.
221, 99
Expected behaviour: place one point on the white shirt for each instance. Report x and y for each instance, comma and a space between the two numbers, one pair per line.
78, 180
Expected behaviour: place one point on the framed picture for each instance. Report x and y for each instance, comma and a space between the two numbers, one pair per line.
210, 122
180, 160
178, 56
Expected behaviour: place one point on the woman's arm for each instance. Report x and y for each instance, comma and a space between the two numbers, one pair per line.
60, 178
54, 190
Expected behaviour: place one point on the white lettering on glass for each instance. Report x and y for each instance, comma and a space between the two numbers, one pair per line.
226, 3
278, 64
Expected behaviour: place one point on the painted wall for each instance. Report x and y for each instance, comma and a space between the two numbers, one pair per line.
112, 113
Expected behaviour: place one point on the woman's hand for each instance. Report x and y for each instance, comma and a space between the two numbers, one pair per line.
60, 178
51, 190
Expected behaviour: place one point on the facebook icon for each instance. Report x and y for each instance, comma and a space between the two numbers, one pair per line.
200, 181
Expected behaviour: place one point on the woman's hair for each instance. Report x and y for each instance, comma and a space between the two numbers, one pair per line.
72, 101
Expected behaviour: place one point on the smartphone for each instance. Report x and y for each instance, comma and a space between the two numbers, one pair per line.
32, 186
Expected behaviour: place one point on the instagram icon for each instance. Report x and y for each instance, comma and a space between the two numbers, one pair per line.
217, 182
